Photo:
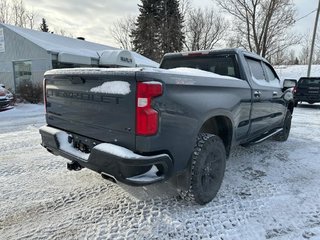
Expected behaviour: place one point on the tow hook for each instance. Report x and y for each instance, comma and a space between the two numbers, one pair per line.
74, 166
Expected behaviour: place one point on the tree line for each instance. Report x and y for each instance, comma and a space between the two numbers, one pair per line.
260, 26
14, 12
162, 26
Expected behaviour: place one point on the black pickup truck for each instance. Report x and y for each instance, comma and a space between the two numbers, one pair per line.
177, 123
307, 90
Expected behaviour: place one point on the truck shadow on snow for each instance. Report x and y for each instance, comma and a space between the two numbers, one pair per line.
246, 172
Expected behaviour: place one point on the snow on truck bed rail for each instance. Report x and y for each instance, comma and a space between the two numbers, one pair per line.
114, 87
178, 71
198, 72
86, 71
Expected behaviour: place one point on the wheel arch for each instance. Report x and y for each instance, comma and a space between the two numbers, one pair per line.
221, 126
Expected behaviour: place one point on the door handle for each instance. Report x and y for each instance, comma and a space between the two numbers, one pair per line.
274, 94
257, 94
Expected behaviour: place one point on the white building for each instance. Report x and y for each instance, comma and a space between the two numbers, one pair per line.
26, 54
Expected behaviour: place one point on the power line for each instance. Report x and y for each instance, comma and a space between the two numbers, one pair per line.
306, 15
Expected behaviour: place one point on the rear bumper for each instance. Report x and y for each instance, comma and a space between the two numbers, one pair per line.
121, 163
306, 98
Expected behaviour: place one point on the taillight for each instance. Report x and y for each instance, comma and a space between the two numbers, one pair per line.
44, 95
147, 118
294, 89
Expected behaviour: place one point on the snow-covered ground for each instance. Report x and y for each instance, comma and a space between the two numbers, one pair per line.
270, 191
296, 71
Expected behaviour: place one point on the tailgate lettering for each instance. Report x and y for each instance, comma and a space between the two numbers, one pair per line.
96, 97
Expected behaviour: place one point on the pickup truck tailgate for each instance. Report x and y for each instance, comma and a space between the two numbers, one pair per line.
99, 106
308, 89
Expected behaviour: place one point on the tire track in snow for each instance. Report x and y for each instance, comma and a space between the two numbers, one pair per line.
269, 191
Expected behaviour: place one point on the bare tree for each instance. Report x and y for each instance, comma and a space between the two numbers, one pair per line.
121, 32
316, 58
62, 32
263, 24
204, 29
19, 13
305, 50
30, 18
4, 11
185, 6
292, 57
280, 57
15, 13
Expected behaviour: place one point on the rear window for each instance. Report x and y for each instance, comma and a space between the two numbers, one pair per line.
220, 64
309, 81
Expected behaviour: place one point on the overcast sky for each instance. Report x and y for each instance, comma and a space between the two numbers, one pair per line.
92, 19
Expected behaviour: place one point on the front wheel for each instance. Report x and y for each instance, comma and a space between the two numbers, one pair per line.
207, 169
284, 134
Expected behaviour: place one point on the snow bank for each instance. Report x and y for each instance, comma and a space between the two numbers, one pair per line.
114, 87
296, 71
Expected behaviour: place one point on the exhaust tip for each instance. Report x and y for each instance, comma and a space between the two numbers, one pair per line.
109, 177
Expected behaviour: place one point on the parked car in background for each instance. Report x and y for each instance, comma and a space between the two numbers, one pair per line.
307, 90
6, 98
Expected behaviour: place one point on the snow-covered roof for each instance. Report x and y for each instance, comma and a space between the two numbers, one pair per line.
57, 44
80, 51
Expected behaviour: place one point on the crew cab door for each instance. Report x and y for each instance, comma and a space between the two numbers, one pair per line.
278, 103
262, 98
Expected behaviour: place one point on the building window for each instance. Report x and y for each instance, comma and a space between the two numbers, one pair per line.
57, 65
22, 74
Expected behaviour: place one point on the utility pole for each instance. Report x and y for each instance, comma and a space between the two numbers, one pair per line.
313, 39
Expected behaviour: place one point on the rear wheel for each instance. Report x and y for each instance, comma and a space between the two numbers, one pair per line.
207, 169
284, 134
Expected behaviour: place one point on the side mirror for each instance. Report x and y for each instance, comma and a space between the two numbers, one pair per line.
289, 83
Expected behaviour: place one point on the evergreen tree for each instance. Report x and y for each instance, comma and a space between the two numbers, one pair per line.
158, 28
146, 36
43, 26
171, 33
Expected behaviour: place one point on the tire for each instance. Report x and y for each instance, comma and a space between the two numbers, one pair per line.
284, 134
207, 169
